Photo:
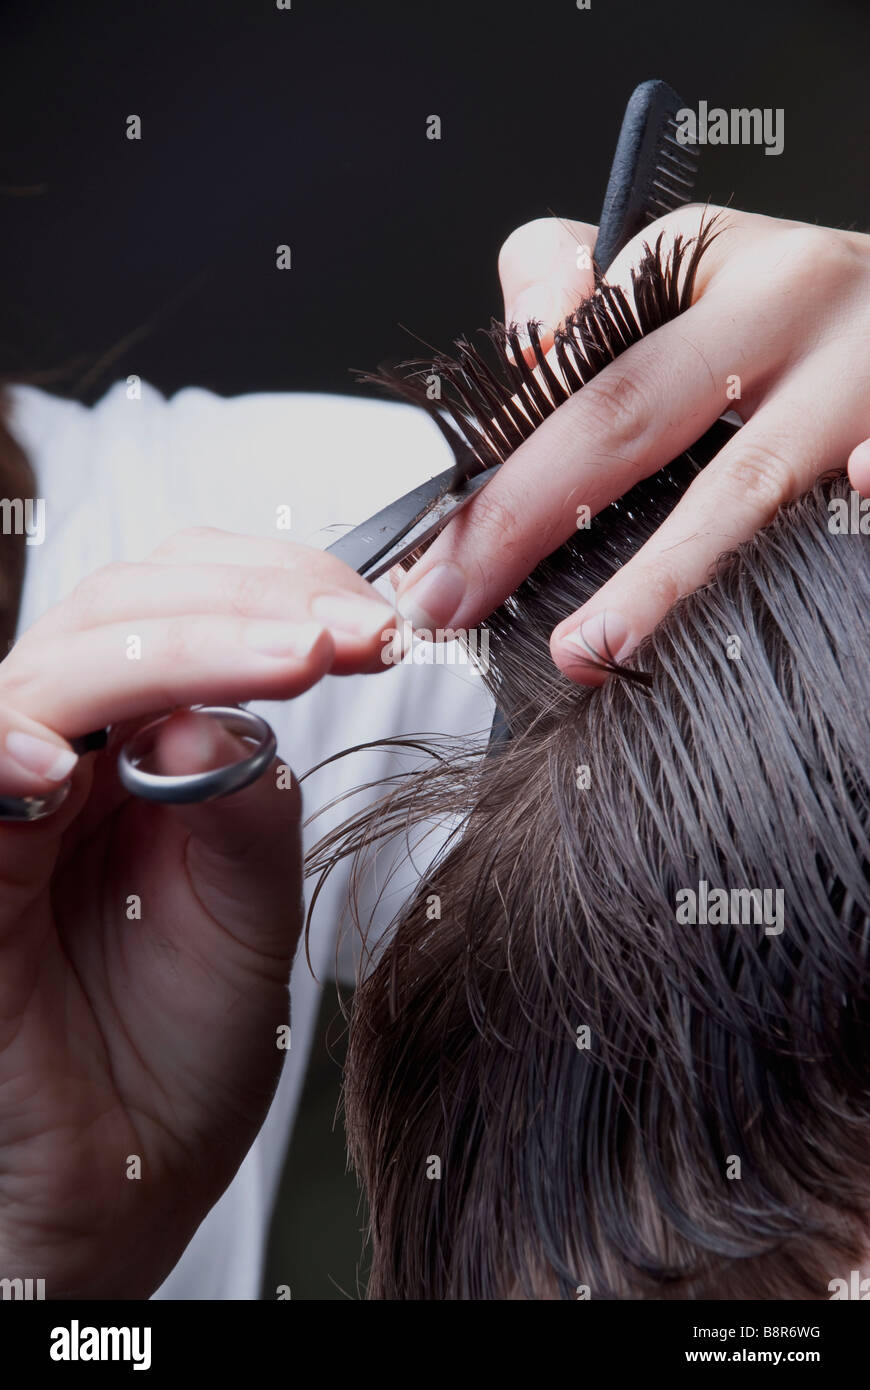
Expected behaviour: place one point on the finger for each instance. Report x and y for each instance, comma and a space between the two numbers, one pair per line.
107, 674
790, 440
245, 851
644, 409
135, 592
545, 268
149, 587
208, 545
34, 760
641, 411
339, 598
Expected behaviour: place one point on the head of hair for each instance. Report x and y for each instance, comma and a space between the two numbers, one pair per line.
619, 1100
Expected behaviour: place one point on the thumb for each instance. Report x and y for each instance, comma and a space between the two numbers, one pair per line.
245, 850
34, 762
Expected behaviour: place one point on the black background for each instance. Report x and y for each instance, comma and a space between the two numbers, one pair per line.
308, 127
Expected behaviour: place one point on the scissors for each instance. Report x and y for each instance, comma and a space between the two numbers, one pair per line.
372, 548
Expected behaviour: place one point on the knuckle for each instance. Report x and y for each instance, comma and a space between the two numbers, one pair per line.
255, 589
176, 643
660, 580
510, 532
87, 600
16, 685
494, 536
495, 520
618, 406
760, 473
804, 252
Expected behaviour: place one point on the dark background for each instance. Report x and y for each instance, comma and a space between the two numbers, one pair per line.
308, 127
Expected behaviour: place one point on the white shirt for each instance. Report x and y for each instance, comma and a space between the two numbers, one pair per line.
120, 477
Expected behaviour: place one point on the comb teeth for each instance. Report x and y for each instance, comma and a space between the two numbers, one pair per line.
669, 134
676, 169
681, 172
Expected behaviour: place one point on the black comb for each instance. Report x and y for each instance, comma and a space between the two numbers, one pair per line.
652, 173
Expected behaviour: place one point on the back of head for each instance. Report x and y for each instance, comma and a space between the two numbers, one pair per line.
628, 1053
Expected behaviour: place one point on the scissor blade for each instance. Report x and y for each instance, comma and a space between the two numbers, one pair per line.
384, 539
434, 520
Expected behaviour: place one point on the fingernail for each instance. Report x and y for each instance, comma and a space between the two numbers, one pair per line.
351, 613
39, 756
603, 637
431, 602
282, 639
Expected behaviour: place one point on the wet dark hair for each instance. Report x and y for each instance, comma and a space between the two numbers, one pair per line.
618, 1101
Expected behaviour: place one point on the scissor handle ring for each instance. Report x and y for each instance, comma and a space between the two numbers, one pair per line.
199, 786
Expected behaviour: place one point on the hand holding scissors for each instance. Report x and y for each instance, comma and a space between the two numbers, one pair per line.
145, 949
199, 606
209, 618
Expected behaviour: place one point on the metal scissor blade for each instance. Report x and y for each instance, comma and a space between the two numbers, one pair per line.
384, 539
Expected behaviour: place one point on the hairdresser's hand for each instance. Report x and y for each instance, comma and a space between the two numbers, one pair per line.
779, 330
145, 950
